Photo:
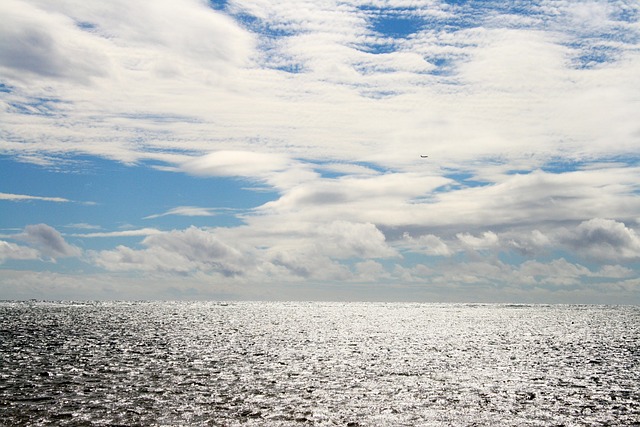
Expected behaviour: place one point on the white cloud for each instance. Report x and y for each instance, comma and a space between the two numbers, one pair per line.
275, 169
83, 226
491, 276
291, 265
47, 285
526, 131
558, 271
383, 199
528, 243
538, 197
614, 271
24, 197
29, 198
47, 44
498, 64
487, 240
514, 88
66, 39
588, 16
10, 250
427, 244
48, 241
184, 251
123, 233
342, 239
311, 253
370, 271
604, 239
185, 211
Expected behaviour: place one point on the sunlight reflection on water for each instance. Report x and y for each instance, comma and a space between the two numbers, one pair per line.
366, 364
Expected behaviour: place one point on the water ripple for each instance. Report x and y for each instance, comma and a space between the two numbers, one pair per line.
325, 364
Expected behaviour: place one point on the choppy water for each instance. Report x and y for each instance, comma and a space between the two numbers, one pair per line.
345, 364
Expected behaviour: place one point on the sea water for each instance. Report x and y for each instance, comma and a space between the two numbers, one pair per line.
321, 364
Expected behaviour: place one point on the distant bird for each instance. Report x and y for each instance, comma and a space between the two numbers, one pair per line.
423, 156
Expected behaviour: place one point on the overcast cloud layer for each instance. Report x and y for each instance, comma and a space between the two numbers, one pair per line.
308, 119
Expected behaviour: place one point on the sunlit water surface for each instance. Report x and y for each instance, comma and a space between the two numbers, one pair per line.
325, 364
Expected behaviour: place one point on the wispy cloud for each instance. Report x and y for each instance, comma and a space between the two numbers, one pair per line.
185, 211
123, 233
24, 198
278, 170
83, 226
29, 198
316, 84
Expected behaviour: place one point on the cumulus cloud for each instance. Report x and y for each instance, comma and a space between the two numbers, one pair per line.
494, 275
194, 243
529, 243
370, 271
10, 250
286, 264
487, 240
182, 252
428, 244
614, 271
311, 253
342, 239
48, 241
317, 251
604, 239
558, 271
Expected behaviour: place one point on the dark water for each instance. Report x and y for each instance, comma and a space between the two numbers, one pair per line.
325, 364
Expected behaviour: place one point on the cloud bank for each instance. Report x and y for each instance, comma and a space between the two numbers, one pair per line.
529, 114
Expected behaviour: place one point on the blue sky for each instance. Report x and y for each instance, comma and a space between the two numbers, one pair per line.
271, 150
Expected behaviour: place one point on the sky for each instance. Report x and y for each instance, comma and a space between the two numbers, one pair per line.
271, 150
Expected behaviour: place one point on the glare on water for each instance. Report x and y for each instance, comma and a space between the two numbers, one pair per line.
349, 364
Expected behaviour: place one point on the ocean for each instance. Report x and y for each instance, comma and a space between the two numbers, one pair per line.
318, 364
